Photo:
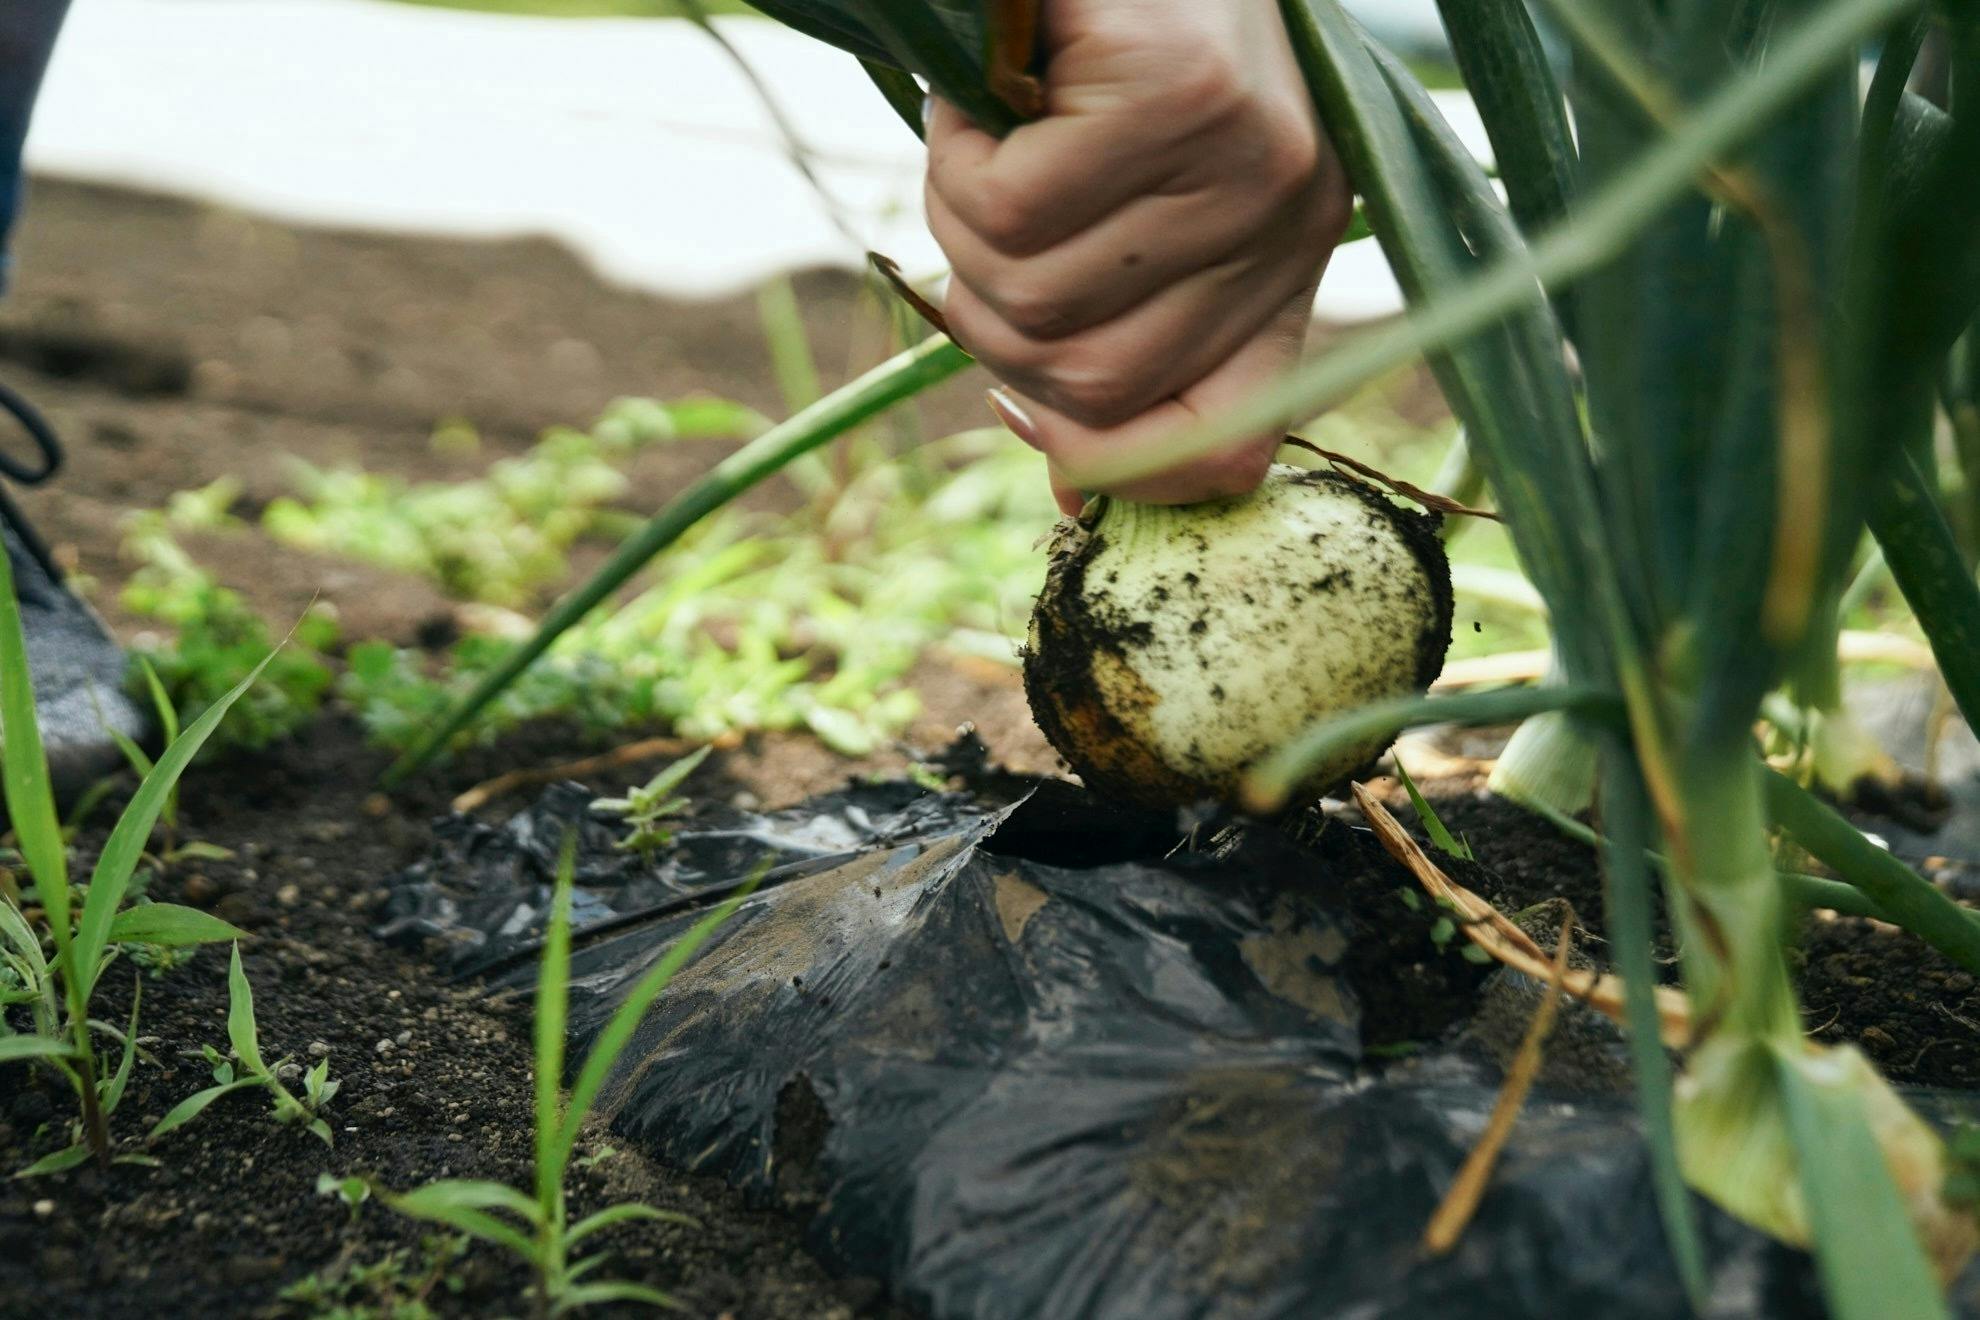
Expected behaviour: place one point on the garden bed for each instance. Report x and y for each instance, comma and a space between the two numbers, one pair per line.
435, 1075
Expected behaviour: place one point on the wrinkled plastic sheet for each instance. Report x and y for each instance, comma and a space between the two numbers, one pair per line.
1024, 1059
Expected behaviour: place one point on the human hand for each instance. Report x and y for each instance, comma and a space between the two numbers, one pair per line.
1146, 252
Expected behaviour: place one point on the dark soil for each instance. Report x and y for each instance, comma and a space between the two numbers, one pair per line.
1911, 1009
435, 1083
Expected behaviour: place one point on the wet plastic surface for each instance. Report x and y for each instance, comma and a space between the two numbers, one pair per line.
1027, 1061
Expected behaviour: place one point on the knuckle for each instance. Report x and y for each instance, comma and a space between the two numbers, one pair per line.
983, 334
1289, 152
1331, 212
1202, 90
1007, 220
1034, 311
1093, 396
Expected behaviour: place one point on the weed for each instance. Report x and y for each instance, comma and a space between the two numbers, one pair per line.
644, 808
220, 639
1432, 823
245, 1069
57, 991
353, 1192
394, 1287
537, 1228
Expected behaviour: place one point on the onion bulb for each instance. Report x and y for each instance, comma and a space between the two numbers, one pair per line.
1175, 646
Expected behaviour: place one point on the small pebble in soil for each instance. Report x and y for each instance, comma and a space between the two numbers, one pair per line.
384, 1046
43, 1208
317, 1049
289, 895
288, 1072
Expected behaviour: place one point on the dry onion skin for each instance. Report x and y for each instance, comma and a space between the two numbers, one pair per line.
1175, 647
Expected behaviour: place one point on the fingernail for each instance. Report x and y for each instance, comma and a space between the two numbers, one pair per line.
927, 110
1012, 416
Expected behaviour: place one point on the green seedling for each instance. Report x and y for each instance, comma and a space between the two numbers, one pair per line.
353, 1192
394, 1287
538, 1228
85, 929
1432, 823
644, 808
245, 1069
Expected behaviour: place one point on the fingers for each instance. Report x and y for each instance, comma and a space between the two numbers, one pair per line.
1069, 445
1047, 180
1101, 272
1114, 372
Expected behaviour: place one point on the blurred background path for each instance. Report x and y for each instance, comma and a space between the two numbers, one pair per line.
638, 143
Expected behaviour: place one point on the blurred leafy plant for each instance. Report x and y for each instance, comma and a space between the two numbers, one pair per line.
217, 637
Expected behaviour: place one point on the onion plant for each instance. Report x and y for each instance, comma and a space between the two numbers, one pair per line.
535, 1225
1761, 270
84, 926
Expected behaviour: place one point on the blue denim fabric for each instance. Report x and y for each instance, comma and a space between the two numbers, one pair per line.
27, 35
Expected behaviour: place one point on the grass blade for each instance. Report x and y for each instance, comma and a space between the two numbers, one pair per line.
469, 1194
553, 990
1433, 824
66, 1158
618, 1032
241, 1031
125, 847
168, 715
113, 1094
24, 769
1268, 784
1904, 896
435, 1204
932, 361
1602, 226
623, 1214
1626, 883
14, 926
15, 1048
171, 926
195, 1104
595, 1294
